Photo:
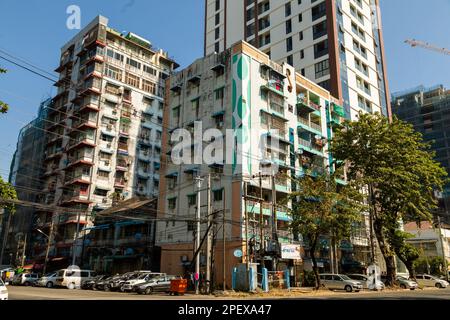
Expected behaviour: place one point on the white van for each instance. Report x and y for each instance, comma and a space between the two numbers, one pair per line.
72, 278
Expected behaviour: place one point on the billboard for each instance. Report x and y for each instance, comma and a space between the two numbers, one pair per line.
290, 251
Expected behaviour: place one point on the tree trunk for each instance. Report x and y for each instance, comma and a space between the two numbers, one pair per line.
386, 252
410, 266
312, 251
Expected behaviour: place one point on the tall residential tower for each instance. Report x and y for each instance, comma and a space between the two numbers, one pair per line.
103, 131
337, 44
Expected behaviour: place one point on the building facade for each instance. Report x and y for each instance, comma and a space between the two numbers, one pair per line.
25, 176
428, 110
103, 133
338, 44
271, 121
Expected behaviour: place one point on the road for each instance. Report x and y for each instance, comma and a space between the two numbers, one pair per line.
32, 293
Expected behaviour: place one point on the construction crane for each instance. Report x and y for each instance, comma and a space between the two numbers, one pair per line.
415, 43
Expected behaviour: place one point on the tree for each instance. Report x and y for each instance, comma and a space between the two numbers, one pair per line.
398, 171
3, 106
322, 207
406, 252
7, 192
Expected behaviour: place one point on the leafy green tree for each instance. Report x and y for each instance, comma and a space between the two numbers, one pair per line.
398, 171
406, 252
322, 207
7, 192
3, 106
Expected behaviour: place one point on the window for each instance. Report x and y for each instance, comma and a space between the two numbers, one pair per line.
364, 104
218, 195
287, 9
302, 54
320, 49
250, 30
220, 93
302, 71
192, 199
288, 26
134, 63
100, 192
111, 88
322, 68
300, 17
196, 107
319, 11
217, 35
132, 79
217, 47
172, 203
114, 73
301, 35
217, 5
148, 86
289, 44
319, 29
325, 84
290, 60
264, 23
217, 18
149, 70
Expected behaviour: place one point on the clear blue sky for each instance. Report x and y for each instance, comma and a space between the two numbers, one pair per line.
35, 30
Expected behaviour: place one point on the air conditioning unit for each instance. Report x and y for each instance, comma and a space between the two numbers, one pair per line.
107, 163
105, 200
108, 145
120, 91
109, 127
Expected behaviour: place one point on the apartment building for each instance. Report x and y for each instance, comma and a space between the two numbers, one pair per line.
25, 176
428, 110
103, 139
281, 121
337, 44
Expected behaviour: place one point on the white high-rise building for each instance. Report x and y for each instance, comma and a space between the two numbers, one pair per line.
338, 44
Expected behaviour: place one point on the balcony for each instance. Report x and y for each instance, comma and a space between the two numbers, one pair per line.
122, 146
53, 153
308, 146
122, 165
78, 178
306, 107
119, 183
80, 142
80, 160
78, 197
90, 122
275, 86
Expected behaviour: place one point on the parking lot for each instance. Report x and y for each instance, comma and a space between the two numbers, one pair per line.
36, 293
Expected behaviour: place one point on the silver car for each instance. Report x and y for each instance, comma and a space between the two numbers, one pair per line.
366, 282
340, 282
406, 283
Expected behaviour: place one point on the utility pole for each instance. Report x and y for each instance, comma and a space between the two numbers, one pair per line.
209, 236
247, 255
77, 234
199, 181
261, 222
274, 221
224, 243
50, 238
24, 248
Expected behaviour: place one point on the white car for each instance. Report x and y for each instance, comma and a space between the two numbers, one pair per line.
3, 291
366, 282
143, 278
340, 282
426, 280
49, 280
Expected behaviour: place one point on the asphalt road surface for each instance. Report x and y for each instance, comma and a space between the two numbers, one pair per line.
33, 293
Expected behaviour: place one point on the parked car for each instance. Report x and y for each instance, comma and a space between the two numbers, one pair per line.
104, 284
366, 282
72, 279
3, 291
91, 284
142, 278
340, 282
156, 284
26, 279
48, 280
426, 280
406, 283
115, 283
